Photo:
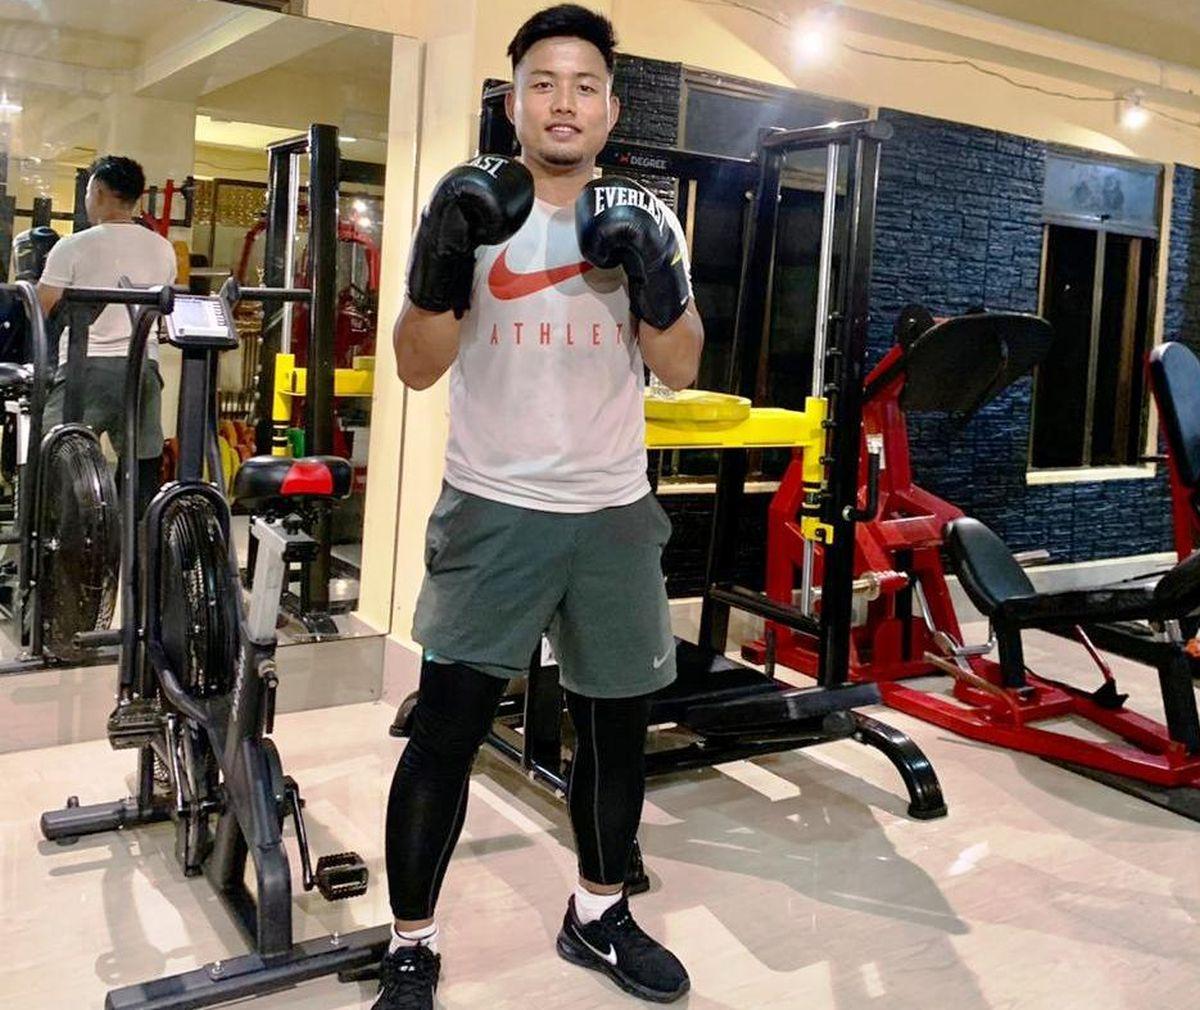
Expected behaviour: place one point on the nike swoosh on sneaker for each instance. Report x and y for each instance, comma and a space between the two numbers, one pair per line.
610, 957
506, 284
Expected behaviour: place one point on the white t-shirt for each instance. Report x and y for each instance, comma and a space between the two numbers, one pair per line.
98, 258
546, 394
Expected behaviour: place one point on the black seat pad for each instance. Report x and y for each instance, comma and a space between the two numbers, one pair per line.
14, 377
263, 480
989, 574
1001, 590
1175, 376
1179, 589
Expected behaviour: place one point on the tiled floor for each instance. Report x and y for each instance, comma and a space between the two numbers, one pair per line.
794, 881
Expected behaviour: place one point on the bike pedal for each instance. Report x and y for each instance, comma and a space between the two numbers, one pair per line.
134, 724
341, 875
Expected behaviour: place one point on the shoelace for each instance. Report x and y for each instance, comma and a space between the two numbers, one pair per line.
631, 934
415, 974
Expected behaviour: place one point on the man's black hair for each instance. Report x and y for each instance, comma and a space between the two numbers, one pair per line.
123, 176
565, 21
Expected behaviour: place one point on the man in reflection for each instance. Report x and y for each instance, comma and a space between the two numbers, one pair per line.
116, 245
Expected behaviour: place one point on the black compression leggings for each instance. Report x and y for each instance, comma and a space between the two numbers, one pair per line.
428, 799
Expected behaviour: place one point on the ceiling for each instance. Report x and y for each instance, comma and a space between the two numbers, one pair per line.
123, 19
61, 60
1165, 29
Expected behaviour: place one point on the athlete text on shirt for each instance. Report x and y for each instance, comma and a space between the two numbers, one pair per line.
523, 333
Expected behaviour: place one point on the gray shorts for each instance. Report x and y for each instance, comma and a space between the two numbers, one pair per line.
104, 404
498, 576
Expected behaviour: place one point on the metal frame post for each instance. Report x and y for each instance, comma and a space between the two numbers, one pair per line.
323, 160
275, 243
845, 368
749, 326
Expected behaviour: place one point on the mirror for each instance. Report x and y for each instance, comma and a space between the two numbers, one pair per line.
199, 93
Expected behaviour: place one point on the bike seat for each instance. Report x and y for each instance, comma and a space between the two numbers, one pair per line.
14, 377
269, 483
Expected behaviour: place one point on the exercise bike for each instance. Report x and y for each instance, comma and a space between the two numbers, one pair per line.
197, 678
63, 579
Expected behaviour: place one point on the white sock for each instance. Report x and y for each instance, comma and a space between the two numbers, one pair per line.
427, 937
589, 907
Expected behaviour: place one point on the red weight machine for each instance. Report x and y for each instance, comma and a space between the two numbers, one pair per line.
906, 625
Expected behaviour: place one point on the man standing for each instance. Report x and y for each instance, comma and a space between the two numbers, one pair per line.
115, 246
542, 291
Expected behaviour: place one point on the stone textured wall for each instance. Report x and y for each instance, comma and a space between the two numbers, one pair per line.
959, 224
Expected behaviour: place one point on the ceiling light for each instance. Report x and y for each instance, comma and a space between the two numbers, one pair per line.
814, 34
1134, 115
8, 106
348, 140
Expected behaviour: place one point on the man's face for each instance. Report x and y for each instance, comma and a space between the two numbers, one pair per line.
562, 104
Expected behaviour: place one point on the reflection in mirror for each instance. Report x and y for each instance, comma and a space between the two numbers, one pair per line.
204, 96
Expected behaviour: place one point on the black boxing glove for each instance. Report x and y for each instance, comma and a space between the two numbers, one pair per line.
621, 223
482, 202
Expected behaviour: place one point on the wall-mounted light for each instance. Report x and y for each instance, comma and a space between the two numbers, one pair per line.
1132, 113
348, 139
9, 107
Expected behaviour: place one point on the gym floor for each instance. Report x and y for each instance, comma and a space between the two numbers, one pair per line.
793, 881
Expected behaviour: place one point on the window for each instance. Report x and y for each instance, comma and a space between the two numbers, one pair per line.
1098, 281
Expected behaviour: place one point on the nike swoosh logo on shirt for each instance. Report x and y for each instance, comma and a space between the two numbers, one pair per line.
507, 285
610, 957
658, 661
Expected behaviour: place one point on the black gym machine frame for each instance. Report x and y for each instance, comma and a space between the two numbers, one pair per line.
320, 144
732, 711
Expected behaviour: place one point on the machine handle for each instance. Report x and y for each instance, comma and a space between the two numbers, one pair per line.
750, 602
233, 292
96, 639
865, 515
160, 297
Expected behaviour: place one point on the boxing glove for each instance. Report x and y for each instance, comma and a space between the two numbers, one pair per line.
482, 202
621, 223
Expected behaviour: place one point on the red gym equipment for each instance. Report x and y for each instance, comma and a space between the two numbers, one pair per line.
357, 306
905, 623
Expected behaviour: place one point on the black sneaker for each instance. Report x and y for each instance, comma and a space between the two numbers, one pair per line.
407, 979
616, 945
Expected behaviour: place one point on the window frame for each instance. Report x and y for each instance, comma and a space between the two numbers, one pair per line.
1087, 472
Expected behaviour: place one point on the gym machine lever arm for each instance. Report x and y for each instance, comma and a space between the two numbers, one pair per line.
97, 639
761, 606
